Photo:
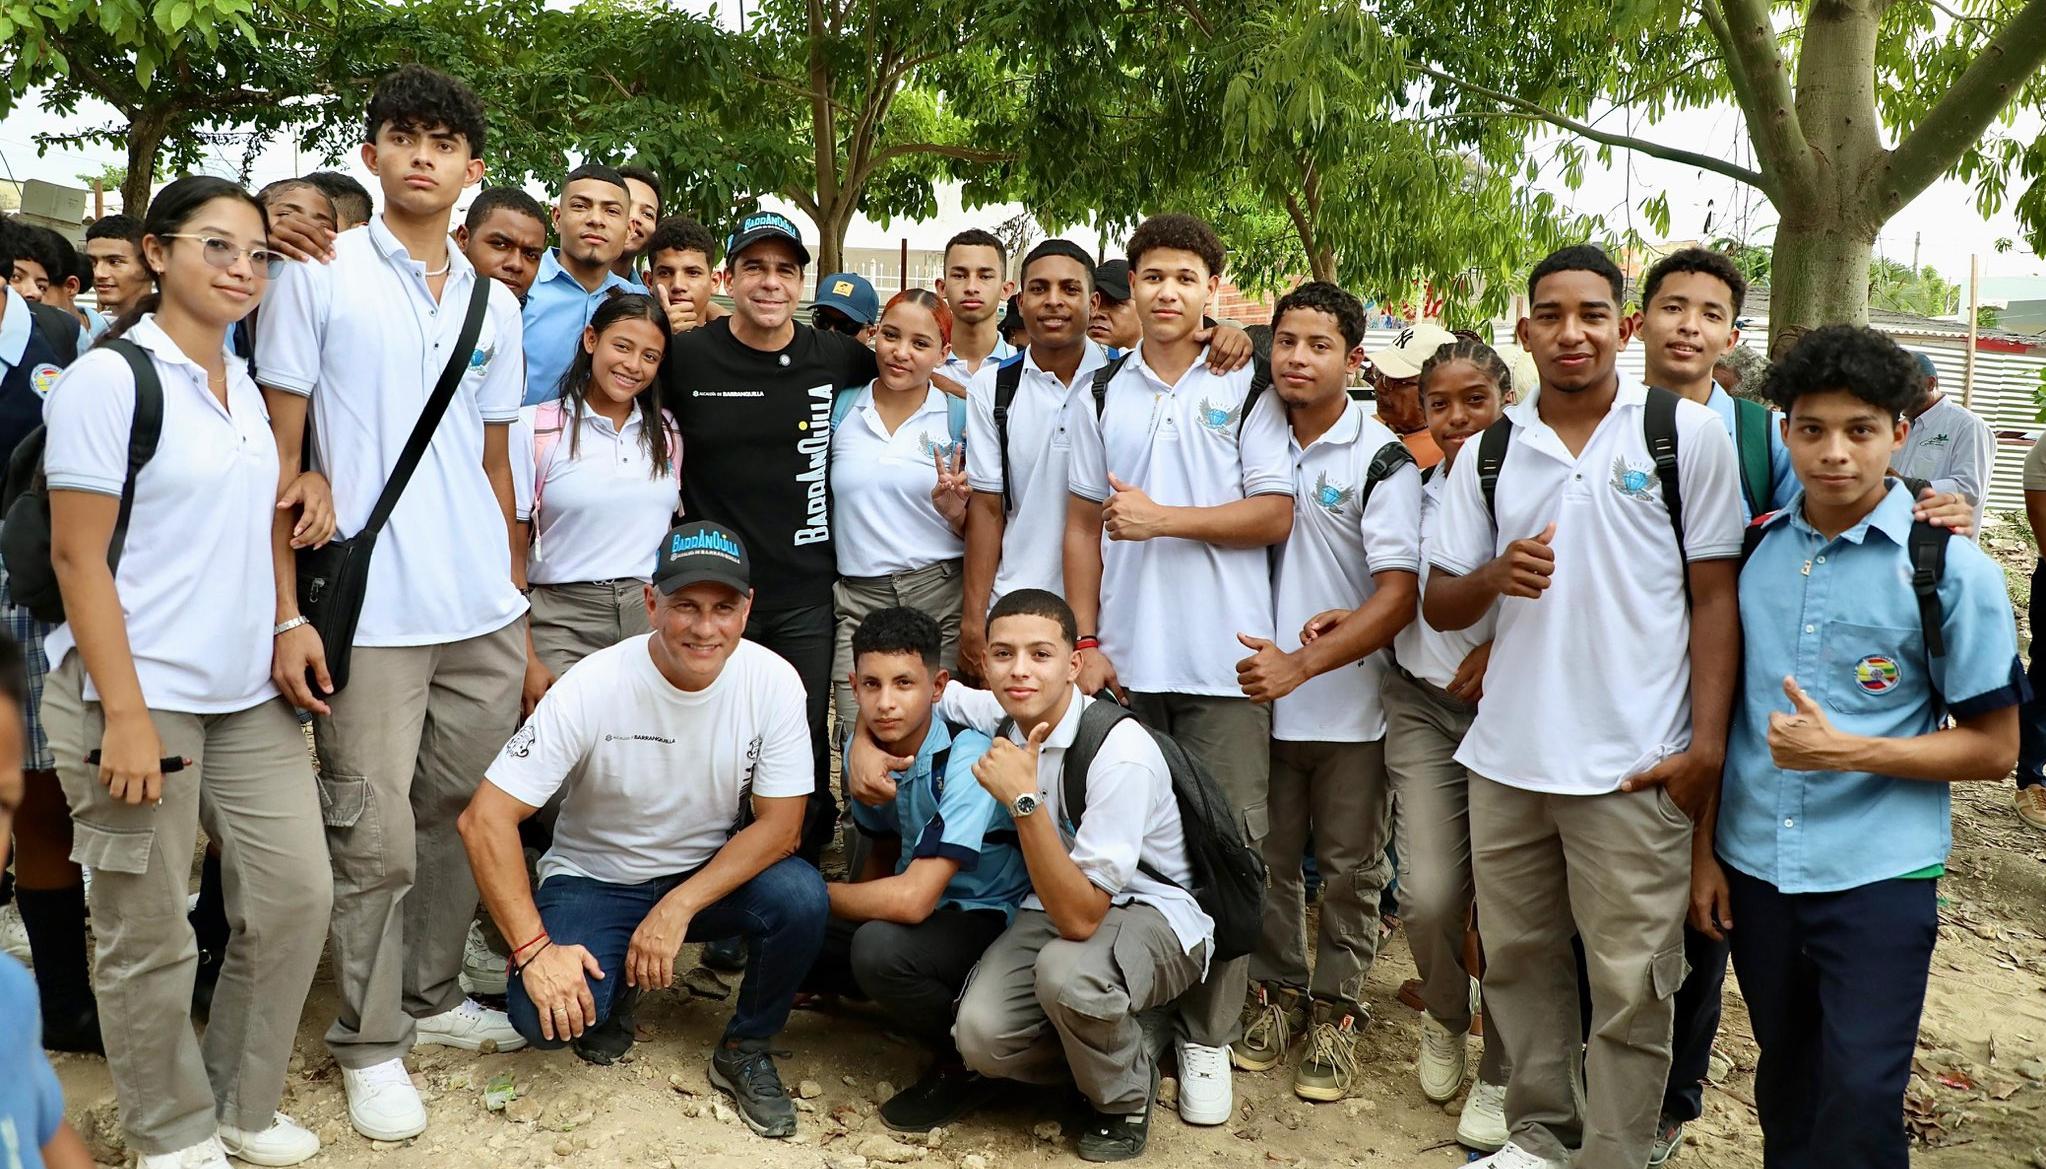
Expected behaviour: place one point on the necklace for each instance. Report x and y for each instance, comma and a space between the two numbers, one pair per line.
443, 270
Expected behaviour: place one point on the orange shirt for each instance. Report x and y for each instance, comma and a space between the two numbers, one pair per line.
1421, 445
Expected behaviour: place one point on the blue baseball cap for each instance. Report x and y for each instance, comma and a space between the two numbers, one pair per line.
849, 293
764, 225
1925, 366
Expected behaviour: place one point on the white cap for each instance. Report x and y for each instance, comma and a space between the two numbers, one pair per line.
1414, 345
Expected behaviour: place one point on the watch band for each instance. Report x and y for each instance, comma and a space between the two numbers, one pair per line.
284, 627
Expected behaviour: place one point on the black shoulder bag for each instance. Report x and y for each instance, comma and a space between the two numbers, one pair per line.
333, 579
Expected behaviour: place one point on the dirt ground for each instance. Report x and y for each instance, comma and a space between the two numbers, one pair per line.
1979, 1098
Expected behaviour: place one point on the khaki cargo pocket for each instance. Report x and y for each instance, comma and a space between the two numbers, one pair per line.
1669, 807
342, 799
1257, 821
1666, 972
1094, 993
116, 851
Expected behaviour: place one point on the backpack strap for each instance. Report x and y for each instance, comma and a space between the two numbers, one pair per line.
59, 330
1100, 717
1659, 429
1390, 458
1260, 381
1751, 536
1008, 380
955, 417
1492, 447
1105, 375
143, 434
549, 420
842, 403
1751, 438
1927, 545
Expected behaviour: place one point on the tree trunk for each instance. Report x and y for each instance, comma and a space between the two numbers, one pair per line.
832, 220
1818, 276
1322, 265
145, 139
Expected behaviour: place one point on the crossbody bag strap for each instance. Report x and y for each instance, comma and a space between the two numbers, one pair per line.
436, 409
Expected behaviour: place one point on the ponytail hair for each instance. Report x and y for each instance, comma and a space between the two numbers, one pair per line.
925, 298
1467, 347
574, 386
173, 208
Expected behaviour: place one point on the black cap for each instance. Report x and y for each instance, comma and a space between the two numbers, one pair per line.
1112, 280
764, 225
698, 552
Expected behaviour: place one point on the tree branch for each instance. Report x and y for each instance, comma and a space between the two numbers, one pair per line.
963, 153
1762, 83
1960, 116
1622, 141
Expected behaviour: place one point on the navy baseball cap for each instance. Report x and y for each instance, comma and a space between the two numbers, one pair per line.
1925, 366
764, 225
1112, 280
849, 293
697, 552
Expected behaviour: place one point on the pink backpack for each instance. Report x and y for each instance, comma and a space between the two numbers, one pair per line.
550, 420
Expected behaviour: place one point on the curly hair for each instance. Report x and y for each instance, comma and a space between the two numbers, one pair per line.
1322, 297
1702, 261
898, 630
679, 233
1849, 359
413, 97
1185, 233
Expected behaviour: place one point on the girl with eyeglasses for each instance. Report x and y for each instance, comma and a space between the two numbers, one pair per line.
161, 709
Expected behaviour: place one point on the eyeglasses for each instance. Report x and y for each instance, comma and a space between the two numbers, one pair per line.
223, 253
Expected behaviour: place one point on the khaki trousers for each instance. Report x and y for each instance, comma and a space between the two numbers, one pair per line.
573, 621
250, 784
935, 589
1337, 792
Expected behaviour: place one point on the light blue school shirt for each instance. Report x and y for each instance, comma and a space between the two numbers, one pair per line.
953, 817
556, 310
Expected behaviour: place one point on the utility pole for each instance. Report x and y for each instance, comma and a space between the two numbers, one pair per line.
1916, 238
1974, 314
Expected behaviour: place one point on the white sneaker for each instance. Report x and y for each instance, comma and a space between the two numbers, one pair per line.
382, 1103
285, 1142
1512, 1157
482, 967
1483, 1124
207, 1154
470, 1026
14, 934
1444, 1055
1206, 1093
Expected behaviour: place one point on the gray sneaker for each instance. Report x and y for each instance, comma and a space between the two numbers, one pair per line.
746, 1070
1669, 1137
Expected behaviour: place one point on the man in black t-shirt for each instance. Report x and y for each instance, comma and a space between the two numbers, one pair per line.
752, 393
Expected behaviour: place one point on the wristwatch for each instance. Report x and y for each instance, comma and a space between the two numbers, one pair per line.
1024, 805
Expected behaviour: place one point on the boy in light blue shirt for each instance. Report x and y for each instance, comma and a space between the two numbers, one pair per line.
1833, 821
943, 875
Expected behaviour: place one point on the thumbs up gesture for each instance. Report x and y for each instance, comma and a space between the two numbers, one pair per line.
1526, 568
1268, 673
1008, 771
1804, 739
680, 309
1130, 514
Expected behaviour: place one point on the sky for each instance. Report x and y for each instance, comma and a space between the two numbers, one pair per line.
1943, 224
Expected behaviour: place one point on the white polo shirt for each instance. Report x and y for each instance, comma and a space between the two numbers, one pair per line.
656, 777
197, 595
366, 341
1430, 654
881, 486
1591, 682
1131, 813
1034, 534
1171, 609
1340, 541
955, 366
604, 506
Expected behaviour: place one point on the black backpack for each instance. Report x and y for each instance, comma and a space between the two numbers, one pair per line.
25, 500
1228, 874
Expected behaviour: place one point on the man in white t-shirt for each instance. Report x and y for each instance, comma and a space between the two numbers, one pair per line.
1355, 546
1603, 727
1187, 475
1109, 930
360, 342
684, 759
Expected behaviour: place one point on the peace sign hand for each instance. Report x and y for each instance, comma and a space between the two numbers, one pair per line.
952, 491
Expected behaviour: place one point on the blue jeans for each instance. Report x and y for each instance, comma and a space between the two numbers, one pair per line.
780, 914
1835, 983
2032, 715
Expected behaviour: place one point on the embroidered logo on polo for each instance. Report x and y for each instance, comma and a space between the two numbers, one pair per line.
481, 355
1219, 418
1632, 481
1938, 440
1876, 674
1332, 497
932, 449
521, 744
42, 377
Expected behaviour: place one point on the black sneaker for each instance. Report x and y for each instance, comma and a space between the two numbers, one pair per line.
746, 1069
727, 954
1112, 1137
205, 980
607, 1042
940, 1096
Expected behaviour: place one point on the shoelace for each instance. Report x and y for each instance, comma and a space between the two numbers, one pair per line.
1330, 1046
1269, 1029
1198, 1062
1440, 1042
757, 1070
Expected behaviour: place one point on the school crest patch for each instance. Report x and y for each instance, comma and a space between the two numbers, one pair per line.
42, 377
481, 355
1876, 674
1220, 418
1332, 497
933, 449
1632, 481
